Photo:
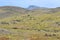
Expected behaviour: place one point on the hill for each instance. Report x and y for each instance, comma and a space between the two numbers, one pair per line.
18, 23
6, 11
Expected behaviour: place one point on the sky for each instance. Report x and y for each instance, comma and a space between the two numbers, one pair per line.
26, 3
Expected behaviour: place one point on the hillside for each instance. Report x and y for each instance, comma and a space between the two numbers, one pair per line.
18, 23
8, 11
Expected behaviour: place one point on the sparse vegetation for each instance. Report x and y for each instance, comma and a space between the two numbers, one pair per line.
33, 25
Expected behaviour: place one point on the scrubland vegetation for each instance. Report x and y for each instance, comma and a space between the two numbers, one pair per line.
34, 25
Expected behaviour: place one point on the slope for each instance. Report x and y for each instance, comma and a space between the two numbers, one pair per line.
34, 25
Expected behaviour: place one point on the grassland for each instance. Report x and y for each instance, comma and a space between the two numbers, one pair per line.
32, 26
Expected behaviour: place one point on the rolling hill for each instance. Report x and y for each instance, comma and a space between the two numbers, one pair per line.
6, 11
17, 23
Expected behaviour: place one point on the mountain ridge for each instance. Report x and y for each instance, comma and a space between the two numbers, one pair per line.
6, 11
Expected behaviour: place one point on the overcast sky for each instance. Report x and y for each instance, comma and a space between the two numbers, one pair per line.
26, 3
